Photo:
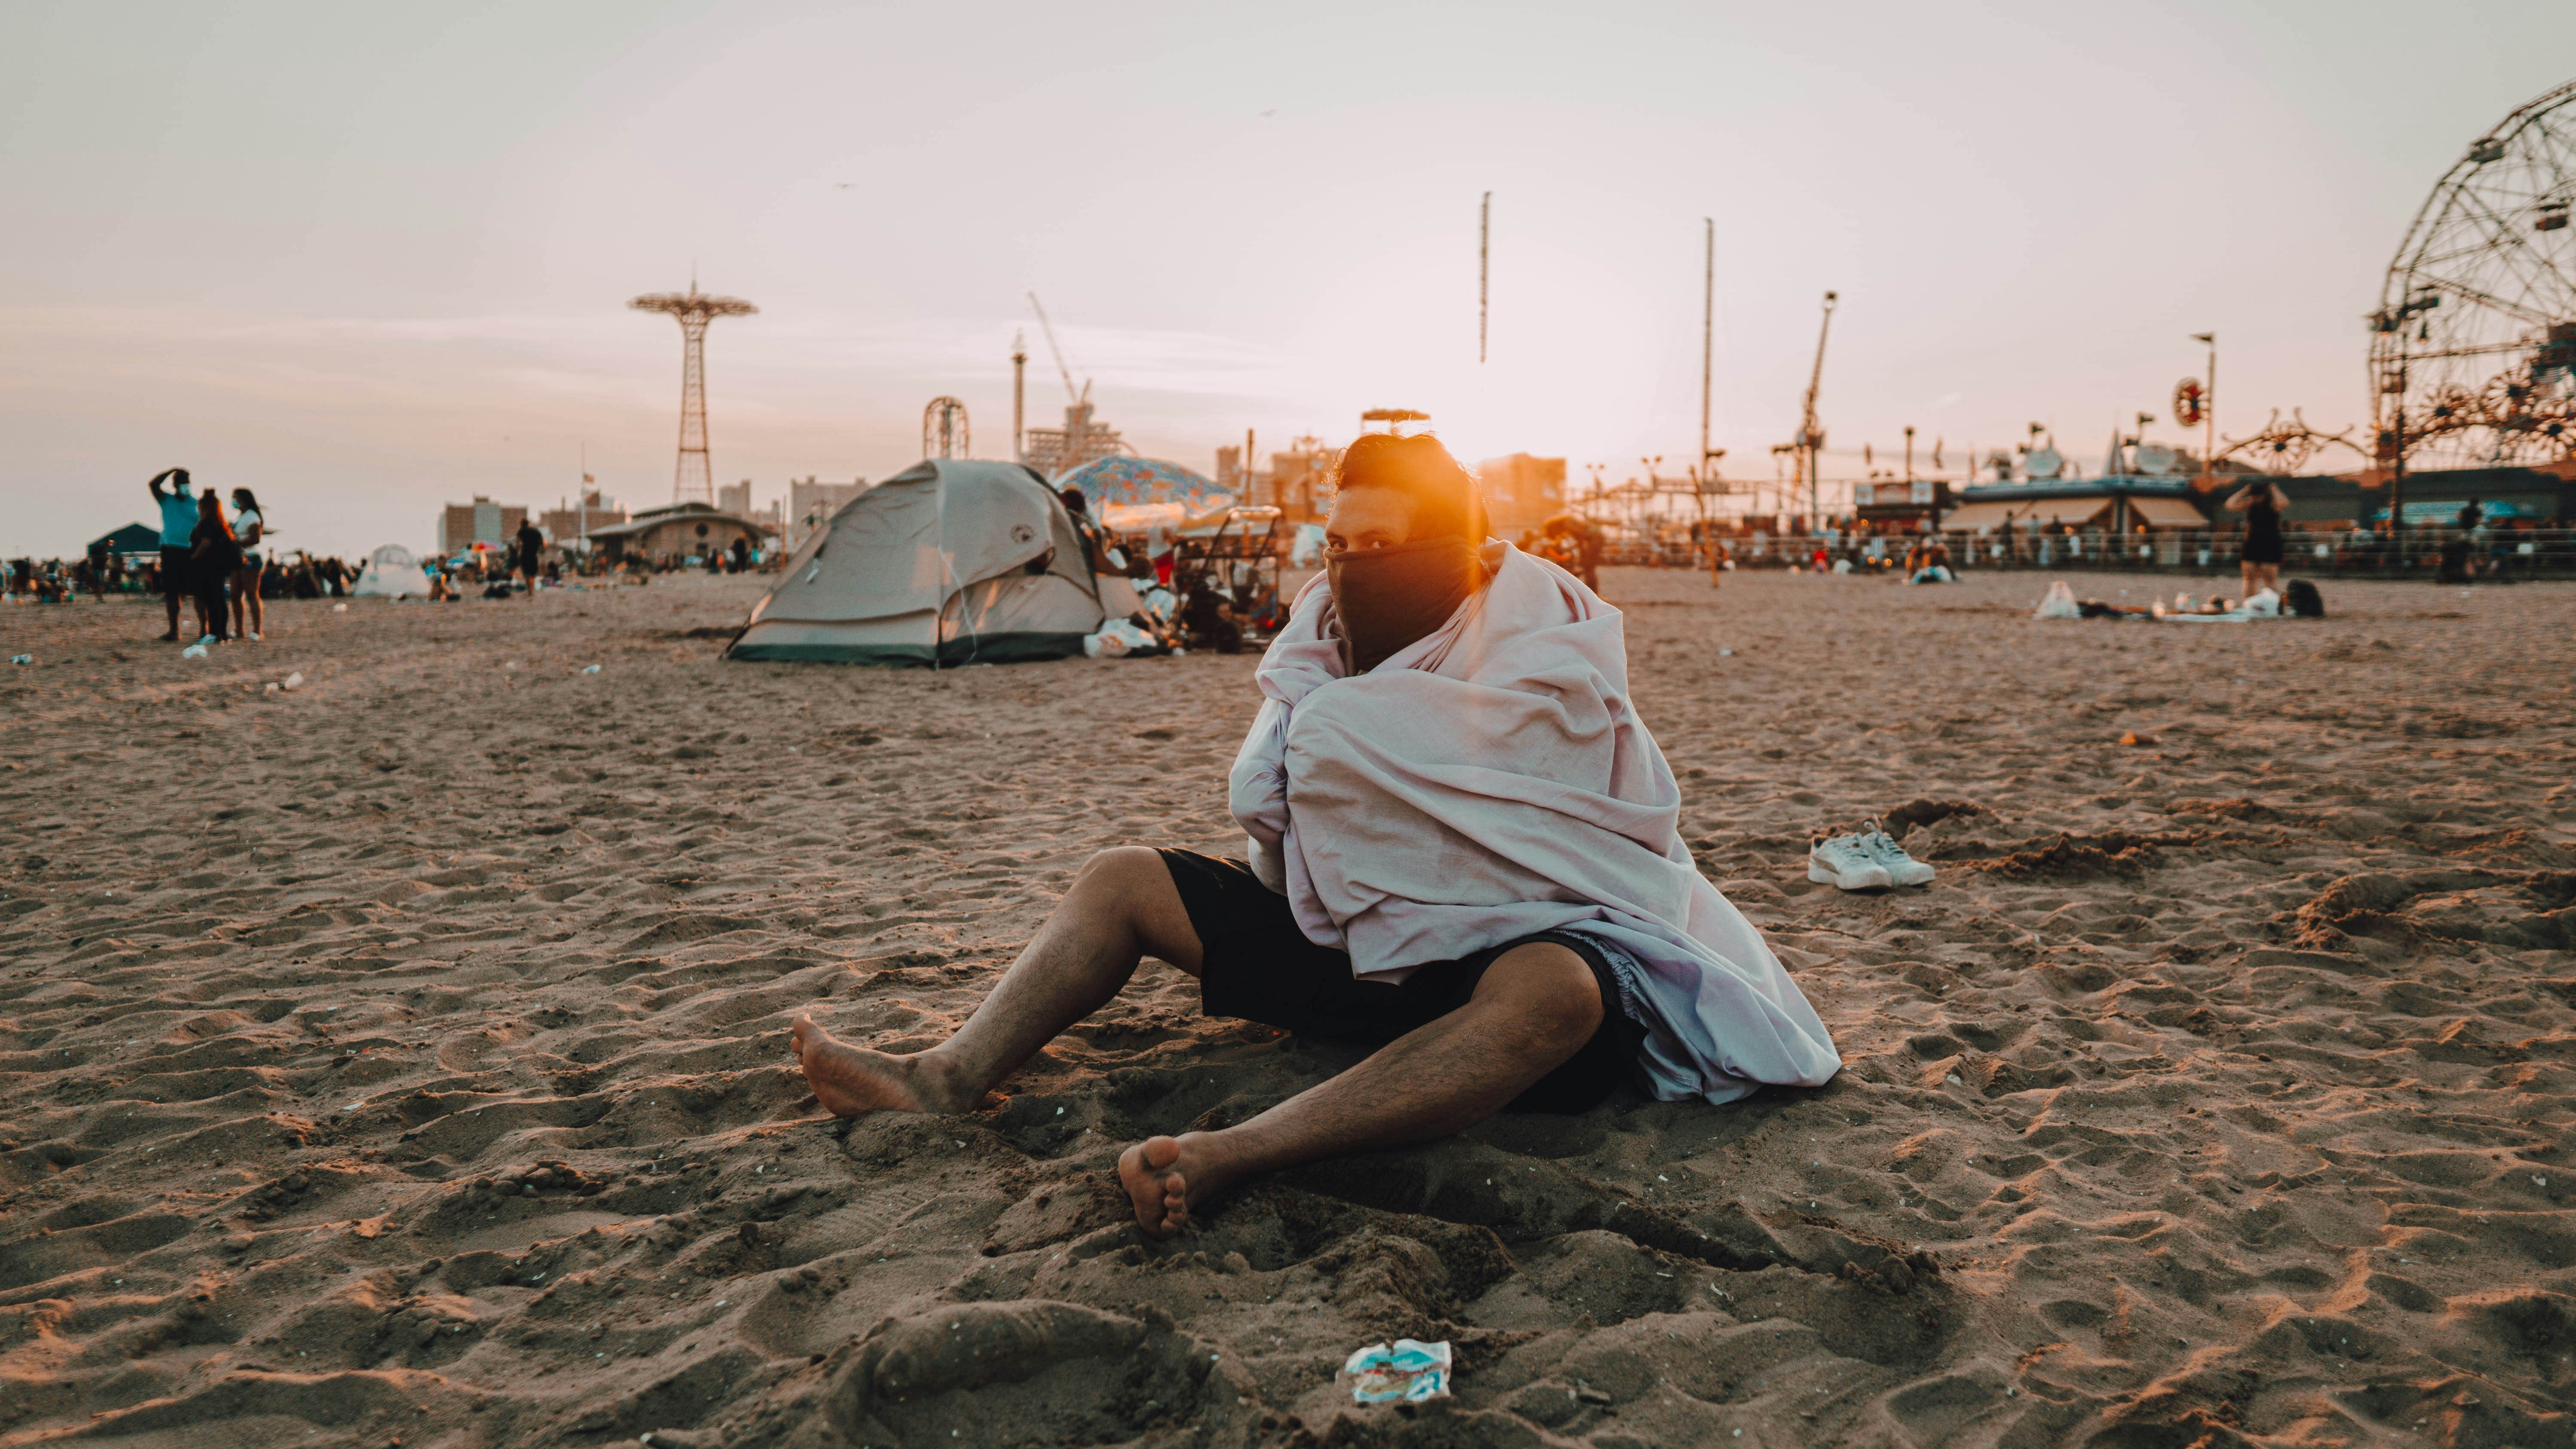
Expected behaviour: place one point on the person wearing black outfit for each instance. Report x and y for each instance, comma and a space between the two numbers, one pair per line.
2262, 503
214, 557
532, 549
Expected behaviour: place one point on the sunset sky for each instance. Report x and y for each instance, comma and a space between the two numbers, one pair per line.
371, 259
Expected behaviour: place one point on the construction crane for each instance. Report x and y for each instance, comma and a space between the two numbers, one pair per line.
1057, 352
1811, 434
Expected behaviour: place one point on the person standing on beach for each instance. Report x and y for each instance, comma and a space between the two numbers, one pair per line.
1463, 849
2262, 502
213, 557
532, 555
178, 521
249, 615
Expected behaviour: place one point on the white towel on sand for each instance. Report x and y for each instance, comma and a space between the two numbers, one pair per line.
1490, 780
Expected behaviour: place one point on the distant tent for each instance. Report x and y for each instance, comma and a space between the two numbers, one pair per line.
134, 540
948, 562
392, 574
1143, 492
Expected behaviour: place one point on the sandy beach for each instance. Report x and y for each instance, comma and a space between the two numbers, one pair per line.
400, 1058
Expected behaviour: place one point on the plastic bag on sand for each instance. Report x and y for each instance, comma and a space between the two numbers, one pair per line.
294, 680
193, 651
1116, 639
1409, 1372
2264, 605
2060, 603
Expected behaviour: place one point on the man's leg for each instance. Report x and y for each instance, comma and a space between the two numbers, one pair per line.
1122, 906
1533, 1009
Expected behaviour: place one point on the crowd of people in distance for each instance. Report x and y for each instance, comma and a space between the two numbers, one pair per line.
219, 564
59, 581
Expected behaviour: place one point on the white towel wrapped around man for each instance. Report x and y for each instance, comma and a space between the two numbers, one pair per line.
1464, 853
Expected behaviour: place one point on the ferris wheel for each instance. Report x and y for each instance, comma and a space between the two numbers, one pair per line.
2473, 348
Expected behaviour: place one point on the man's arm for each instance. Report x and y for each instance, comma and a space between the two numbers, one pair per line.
155, 484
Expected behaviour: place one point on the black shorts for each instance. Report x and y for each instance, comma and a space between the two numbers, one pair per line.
178, 572
1255, 965
2260, 551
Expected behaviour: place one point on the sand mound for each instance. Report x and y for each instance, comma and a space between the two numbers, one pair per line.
401, 1058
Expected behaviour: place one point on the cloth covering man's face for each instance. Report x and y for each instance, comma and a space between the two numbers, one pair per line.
1389, 588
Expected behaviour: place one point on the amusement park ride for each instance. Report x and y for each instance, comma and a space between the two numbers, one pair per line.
944, 432
2473, 346
694, 479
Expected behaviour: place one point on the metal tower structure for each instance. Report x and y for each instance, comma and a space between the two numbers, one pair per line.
694, 479
1811, 434
1484, 266
1019, 397
943, 430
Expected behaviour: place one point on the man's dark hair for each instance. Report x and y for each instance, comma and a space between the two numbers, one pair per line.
1445, 498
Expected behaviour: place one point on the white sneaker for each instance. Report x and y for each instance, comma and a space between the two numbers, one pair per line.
1842, 862
1902, 869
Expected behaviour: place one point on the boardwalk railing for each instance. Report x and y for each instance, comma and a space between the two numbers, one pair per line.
2485, 554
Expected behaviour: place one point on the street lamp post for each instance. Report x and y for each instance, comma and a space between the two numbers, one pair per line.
2209, 409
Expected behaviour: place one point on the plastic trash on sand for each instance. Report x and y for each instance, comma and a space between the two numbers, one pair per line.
590, 669
295, 680
339, 608
1116, 639
1409, 1372
193, 651
2059, 604
22, 658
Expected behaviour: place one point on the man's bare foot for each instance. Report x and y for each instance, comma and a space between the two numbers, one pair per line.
1164, 1175
850, 1080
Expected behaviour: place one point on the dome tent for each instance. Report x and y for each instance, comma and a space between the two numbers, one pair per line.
392, 573
1139, 482
948, 562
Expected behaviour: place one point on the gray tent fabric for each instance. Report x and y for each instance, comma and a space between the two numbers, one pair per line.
948, 562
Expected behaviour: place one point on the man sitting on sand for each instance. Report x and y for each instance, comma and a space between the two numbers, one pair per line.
1463, 847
